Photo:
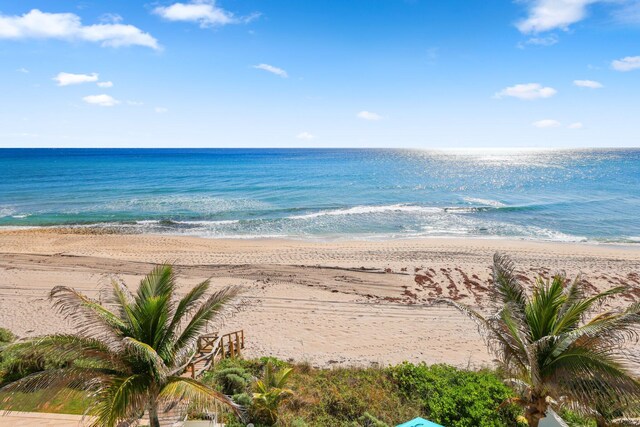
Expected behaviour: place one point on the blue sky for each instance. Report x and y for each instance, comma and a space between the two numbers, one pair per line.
351, 73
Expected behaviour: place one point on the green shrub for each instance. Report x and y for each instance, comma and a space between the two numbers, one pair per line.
275, 362
454, 397
6, 336
232, 380
243, 399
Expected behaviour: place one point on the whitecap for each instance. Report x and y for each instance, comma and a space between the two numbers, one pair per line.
484, 202
367, 209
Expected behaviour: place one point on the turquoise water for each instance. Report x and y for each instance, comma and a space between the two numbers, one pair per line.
577, 195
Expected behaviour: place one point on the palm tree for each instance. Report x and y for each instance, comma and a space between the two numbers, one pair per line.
129, 355
551, 348
271, 391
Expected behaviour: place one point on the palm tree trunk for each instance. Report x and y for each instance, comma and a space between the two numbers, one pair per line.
535, 411
153, 414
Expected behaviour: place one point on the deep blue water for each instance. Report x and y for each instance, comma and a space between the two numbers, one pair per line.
577, 195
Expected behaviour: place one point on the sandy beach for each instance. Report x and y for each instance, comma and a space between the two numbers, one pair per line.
328, 303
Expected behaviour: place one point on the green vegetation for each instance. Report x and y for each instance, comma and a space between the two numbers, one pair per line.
128, 356
359, 397
553, 350
271, 392
6, 337
456, 398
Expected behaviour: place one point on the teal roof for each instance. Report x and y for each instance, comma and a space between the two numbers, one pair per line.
419, 422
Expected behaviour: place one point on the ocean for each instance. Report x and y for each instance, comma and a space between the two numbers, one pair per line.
551, 195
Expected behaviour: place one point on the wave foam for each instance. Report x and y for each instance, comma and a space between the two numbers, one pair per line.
6, 211
363, 210
204, 205
485, 202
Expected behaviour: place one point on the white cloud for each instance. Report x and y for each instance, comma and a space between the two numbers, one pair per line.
105, 84
629, 13
527, 91
367, 115
66, 79
204, 12
101, 100
305, 135
591, 84
626, 64
549, 40
68, 26
111, 18
23, 70
545, 15
576, 125
270, 68
546, 123
161, 110
135, 103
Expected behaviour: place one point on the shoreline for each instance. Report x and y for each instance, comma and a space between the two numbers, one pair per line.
329, 303
93, 229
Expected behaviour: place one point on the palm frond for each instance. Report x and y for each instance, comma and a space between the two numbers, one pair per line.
215, 306
68, 347
281, 377
200, 396
542, 310
120, 399
161, 281
573, 311
148, 355
507, 289
124, 300
184, 307
587, 376
501, 344
92, 319
610, 330
52, 384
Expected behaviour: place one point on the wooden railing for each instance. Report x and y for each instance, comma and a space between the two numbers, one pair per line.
212, 348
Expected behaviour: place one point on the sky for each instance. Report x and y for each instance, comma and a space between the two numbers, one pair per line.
332, 73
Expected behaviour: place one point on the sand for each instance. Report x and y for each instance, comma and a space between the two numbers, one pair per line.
328, 303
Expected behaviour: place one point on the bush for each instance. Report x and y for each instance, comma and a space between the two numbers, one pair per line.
456, 398
232, 380
6, 336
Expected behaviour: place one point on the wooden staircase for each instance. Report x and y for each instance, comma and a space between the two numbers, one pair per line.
213, 348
